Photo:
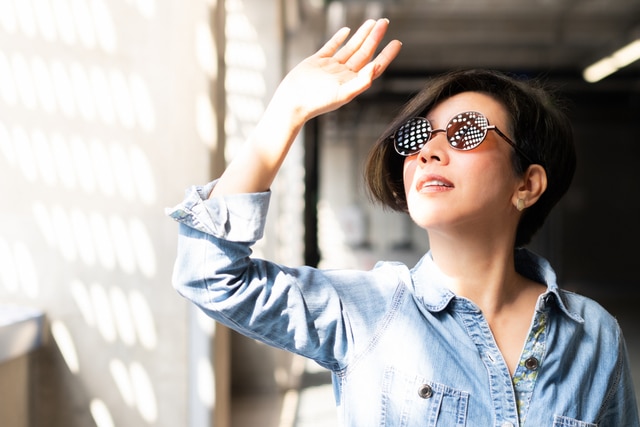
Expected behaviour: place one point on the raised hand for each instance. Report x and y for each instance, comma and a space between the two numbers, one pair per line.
323, 82
337, 73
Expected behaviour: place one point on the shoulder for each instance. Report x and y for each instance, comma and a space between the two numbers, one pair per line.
580, 310
393, 270
377, 286
591, 315
584, 306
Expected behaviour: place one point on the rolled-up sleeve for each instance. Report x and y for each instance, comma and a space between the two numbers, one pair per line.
236, 218
215, 236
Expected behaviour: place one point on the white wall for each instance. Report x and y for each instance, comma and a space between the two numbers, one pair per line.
105, 118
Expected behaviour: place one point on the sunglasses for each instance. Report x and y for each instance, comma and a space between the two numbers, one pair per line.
464, 132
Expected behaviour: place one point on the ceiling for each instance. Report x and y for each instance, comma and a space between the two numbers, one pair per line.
550, 37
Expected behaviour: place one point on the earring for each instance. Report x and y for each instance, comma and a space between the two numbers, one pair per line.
520, 205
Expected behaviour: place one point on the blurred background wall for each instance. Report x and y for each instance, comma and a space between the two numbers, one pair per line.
106, 113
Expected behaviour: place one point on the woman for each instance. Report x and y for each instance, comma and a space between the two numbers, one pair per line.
478, 332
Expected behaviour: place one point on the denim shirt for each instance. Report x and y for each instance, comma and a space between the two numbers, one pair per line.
404, 351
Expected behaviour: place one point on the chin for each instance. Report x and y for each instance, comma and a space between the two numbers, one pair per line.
424, 218
428, 214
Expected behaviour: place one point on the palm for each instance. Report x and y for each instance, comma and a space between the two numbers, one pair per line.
334, 75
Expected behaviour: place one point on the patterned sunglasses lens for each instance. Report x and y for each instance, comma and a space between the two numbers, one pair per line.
467, 130
412, 136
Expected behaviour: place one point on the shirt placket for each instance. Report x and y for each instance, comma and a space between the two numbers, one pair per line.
501, 389
530, 363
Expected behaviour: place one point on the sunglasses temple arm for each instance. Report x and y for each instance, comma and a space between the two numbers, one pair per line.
511, 143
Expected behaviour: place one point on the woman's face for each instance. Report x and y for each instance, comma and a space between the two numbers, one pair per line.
470, 190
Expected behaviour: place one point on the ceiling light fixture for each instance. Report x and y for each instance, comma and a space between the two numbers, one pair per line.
609, 65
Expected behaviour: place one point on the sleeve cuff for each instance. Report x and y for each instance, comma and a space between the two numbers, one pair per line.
238, 217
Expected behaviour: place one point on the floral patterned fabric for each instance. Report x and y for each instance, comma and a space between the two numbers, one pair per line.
526, 373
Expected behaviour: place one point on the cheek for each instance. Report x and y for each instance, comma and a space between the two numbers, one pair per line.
408, 172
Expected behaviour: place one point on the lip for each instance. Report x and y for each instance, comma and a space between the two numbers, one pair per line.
433, 183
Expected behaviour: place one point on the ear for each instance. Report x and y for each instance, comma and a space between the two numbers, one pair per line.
532, 185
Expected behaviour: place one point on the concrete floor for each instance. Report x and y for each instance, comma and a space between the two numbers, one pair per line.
313, 405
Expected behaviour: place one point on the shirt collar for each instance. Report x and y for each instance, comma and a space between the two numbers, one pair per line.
429, 283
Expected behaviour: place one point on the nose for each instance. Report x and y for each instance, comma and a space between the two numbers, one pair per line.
435, 148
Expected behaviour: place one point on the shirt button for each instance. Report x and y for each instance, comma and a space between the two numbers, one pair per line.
531, 363
425, 391
507, 424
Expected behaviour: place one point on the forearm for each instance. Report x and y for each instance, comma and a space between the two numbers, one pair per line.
254, 168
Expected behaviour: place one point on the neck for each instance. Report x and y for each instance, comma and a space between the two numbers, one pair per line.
481, 270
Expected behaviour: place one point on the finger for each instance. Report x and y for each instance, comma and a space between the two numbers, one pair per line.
355, 41
331, 46
366, 50
371, 71
386, 56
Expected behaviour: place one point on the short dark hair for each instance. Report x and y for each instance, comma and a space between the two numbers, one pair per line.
538, 124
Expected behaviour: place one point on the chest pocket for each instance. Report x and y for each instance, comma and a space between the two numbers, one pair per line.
560, 421
413, 401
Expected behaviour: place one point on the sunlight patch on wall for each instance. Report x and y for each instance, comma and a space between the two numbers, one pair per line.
144, 393
206, 382
206, 53
18, 273
76, 90
82, 298
135, 388
206, 121
146, 8
8, 272
123, 316
143, 320
6, 146
93, 238
102, 240
105, 318
93, 166
27, 273
64, 341
120, 375
116, 313
101, 414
